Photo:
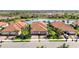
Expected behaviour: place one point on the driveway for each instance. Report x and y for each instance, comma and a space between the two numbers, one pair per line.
3, 37
70, 37
11, 37
34, 37
43, 37
37, 38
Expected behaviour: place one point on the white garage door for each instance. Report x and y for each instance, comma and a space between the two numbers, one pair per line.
34, 37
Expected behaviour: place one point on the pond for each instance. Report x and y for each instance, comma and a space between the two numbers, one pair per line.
49, 20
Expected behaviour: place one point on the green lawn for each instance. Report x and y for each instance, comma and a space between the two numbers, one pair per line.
43, 18
22, 40
55, 18
28, 19
56, 40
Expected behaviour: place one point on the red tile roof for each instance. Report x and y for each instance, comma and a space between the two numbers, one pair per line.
21, 24
62, 26
43, 24
58, 24
14, 27
38, 26
3, 23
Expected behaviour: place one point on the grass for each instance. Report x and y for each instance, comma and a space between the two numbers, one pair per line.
22, 40
45, 18
56, 40
28, 19
55, 18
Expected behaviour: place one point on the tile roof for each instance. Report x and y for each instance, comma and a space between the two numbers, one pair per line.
14, 27
62, 26
3, 23
43, 24
21, 24
38, 26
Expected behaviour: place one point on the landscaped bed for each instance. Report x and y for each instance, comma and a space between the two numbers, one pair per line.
56, 40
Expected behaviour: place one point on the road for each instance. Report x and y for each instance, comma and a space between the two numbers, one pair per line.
36, 44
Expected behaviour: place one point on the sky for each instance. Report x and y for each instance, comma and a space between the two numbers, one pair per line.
39, 4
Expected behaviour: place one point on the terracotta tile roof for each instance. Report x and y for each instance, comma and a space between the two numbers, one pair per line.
14, 27
57, 24
3, 23
62, 26
21, 24
68, 28
38, 26
43, 24
10, 28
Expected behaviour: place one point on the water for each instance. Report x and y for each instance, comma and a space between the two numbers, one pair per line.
50, 20
38, 20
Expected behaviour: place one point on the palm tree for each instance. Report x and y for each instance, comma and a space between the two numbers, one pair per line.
64, 46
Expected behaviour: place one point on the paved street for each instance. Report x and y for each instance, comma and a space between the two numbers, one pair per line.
36, 44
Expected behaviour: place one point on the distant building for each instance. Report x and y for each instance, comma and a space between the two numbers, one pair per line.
8, 17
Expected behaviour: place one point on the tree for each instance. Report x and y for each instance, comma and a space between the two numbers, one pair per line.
53, 35
53, 32
65, 15
25, 33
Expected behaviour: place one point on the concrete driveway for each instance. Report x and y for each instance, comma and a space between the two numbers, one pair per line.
11, 37
34, 37
3, 37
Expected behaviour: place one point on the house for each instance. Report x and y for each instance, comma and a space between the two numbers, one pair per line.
64, 27
3, 25
39, 28
13, 29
